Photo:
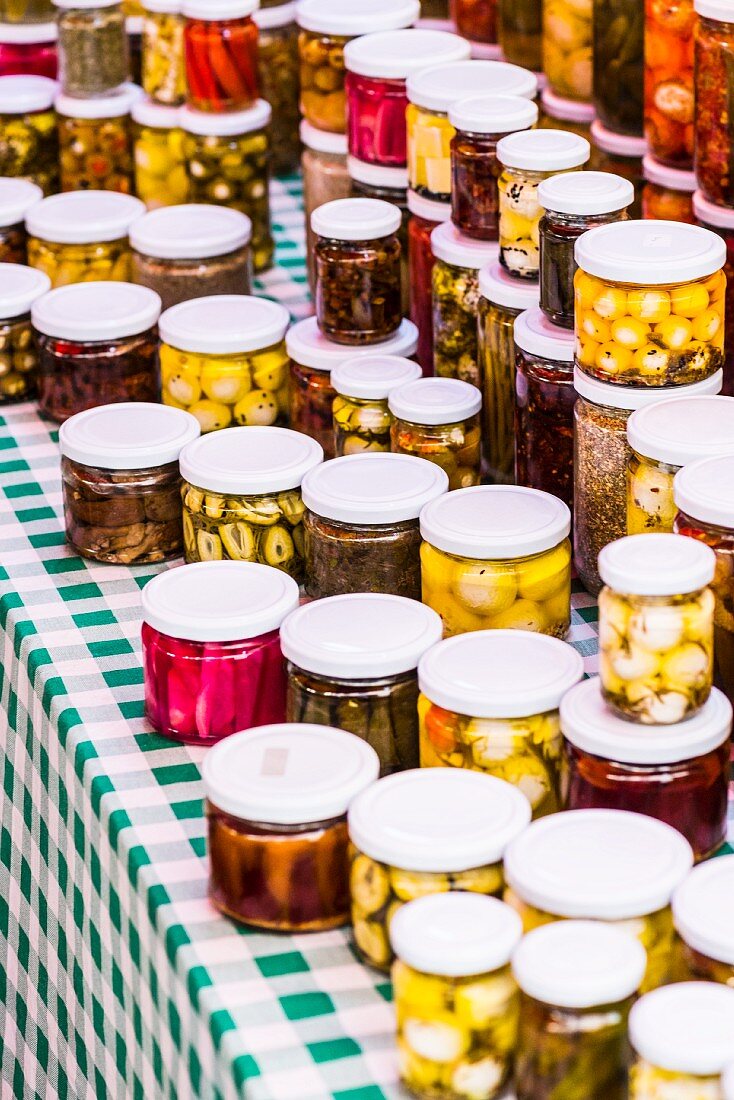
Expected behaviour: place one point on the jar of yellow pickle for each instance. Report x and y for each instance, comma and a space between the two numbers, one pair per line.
439, 419
29, 145
362, 418
559, 113
702, 912
164, 76
567, 47
95, 137
161, 177
17, 197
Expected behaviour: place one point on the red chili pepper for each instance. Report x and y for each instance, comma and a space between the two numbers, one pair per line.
440, 726
231, 81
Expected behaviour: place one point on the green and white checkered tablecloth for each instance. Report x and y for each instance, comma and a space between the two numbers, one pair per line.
117, 978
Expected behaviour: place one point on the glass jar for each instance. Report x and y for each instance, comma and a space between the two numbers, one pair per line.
357, 262
424, 217
498, 557
19, 288
93, 55
361, 523
423, 832
96, 141
578, 981
677, 773
352, 663
571, 115
17, 197
325, 179
29, 146
438, 419
28, 49
278, 76
98, 345
520, 32
528, 158
220, 54
455, 298
720, 219
713, 88
670, 31
567, 47
134, 31
602, 865
475, 19
372, 181
278, 855
27, 11
164, 76
668, 192
544, 402
621, 154
618, 53
489, 702
362, 418
242, 496
702, 915
192, 251
456, 1003
161, 176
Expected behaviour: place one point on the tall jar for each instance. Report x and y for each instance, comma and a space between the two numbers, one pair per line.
279, 83
670, 32
424, 217
220, 50
27, 11
161, 176
559, 113
713, 89
521, 32
29, 144
372, 181
475, 19
362, 418
28, 48
618, 52
720, 219
17, 198
613, 866
325, 179
437, 419
701, 909
567, 47
621, 154
96, 142
163, 66
668, 192
352, 663
93, 56
455, 295
19, 288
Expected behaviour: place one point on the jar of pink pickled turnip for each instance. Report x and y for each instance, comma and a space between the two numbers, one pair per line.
28, 49
211, 649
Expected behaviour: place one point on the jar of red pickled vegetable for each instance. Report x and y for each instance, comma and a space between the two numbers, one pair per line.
702, 909
220, 42
17, 197
714, 87
559, 113
670, 32
437, 419
621, 154
28, 48
325, 178
475, 19
425, 216
668, 192
720, 219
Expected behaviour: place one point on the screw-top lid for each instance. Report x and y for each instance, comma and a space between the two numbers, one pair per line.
226, 123
437, 88
393, 55
650, 253
727, 1082
372, 377
377, 175
17, 197
217, 9
191, 231
567, 110
355, 219
427, 209
20, 286
681, 429
672, 178
360, 636
438, 819
288, 774
656, 565
600, 864
493, 114
250, 460
703, 909
631, 397
84, 217
720, 10
167, 7
22, 94
543, 150
87, 3
704, 490
722, 217
147, 113
357, 17
586, 193
134, 435
28, 34
435, 401
308, 346
96, 311
620, 145
321, 141
219, 601
453, 247
373, 488
499, 673
116, 105
455, 934
537, 335
498, 286
134, 25
224, 324
280, 16
687, 1027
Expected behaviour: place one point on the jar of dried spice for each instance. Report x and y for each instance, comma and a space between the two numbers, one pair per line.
455, 295
702, 916
277, 48
567, 48
325, 179
19, 288
362, 418
714, 83
670, 32
220, 50
28, 48
668, 192
720, 219
425, 215
93, 57
161, 176
520, 32
96, 141
352, 663
29, 145
438, 419
559, 113
621, 154
17, 197
163, 76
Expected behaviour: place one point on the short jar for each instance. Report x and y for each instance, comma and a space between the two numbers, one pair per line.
161, 176
702, 908
325, 179
520, 32
712, 87
559, 113
28, 49
498, 557
720, 219
352, 663
424, 217
277, 51
96, 142
361, 523
621, 154
220, 51
17, 197
438, 419
93, 53
29, 144
670, 34
362, 418
668, 192
20, 287
163, 68
567, 48
455, 297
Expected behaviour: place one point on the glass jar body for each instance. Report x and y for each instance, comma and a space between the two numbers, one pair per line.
29, 148
567, 48
727, 236
429, 152
455, 297
161, 178
180, 280
665, 204
27, 11
325, 178
670, 27
521, 32
360, 424
398, 196
474, 174
456, 448
650, 503
714, 87
376, 120
520, 214
648, 1081
33, 58
630, 168
351, 557
698, 967
96, 154
475, 19
13, 244
618, 52
18, 360
164, 76
558, 236
420, 282
106, 261
323, 97
358, 295
311, 402
221, 64
497, 356
569, 125
278, 69
93, 55
544, 402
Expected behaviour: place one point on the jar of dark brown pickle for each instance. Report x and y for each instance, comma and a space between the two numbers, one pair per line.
621, 154
20, 287
16, 199
325, 178
373, 181
425, 215
437, 419
702, 918
668, 192
559, 113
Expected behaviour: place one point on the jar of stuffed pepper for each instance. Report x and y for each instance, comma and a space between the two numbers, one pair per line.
161, 176
325, 179
455, 296
19, 288
438, 419
713, 87
720, 219
668, 192
670, 32
17, 197
96, 141
422, 832
613, 866
567, 48
93, 53
701, 906
278, 851
618, 54
27, 11
559, 113
528, 158
29, 145
520, 32
220, 50
278, 73
372, 181
164, 75
424, 217
621, 154
352, 663
362, 418
361, 523
498, 557
29, 49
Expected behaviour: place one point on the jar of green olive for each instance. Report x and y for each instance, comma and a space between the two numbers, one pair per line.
438, 419
17, 197
278, 73
96, 140
19, 288
29, 144
362, 417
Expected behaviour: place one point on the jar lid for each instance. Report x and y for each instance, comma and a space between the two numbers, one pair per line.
355, 219
377, 175
427, 209
568, 110
615, 396
537, 335
490, 51
28, 34
704, 490
438, 819
219, 601
393, 55
373, 488
87, 3
321, 141
96, 311
360, 636
357, 17
252, 460
226, 123
167, 7
456, 934
686, 1027
600, 864
682, 429
20, 286
288, 774
656, 565
307, 345
703, 909
543, 150
493, 114
589, 724
435, 89
579, 964
133, 435
84, 217
498, 286
727, 1082
453, 247
24, 93
499, 673
224, 324
672, 178
190, 231
134, 25
650, 253
16, 199
586, 193
372, 377
270, 18
497, 522
117, 105
720, 10
435, 401
217, 9
621, 145
722, 217
147, 113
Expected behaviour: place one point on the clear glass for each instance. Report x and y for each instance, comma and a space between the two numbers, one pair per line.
456, 448
520, 214
13, 244
455, 299
497, 356
96, 154
352, 557
521, 32
558, 236
618, 53
398, 197
325, 178
105, 261
714, 87
18, 360
474, 174
727, 236
475, 19
93, 54
278, 68
311, 402
376, 120
161, 178
31, 58
648, 1081
180, 280
27, 11
164, 76
548, 121
666, 204
29, 148
323, 97
650, 503
420, 282
358, 289
429, 152
221, 64
630, 168
544, 402
670, 29
567, 47
360, 424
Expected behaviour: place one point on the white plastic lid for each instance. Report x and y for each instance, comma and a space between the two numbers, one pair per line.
537, 335
355, 219
84, 217
615, 396
96, 311
377, 175
134, 25
453, 247
427, 209
493, 114
217, 9
656, 565
703, 909
722, 217
393, 55
226, 123
373, 488
586, 193
360, 636
280, 16
568, 110
22, 94
435, 401
727, 1082
687, 1027
224, 324
167, 7
621, 145
307, 345
20, 286
191, 231
650, 253
437, 88
372, 377
116, 105
682, 429
27, 34
288, 774
489, 51
16, 199
147, 113
663, 176
438, 819
250, 460
133, 435
499, 673
219, 601
455, 934
543, 150
498, 286
321, 141
600, 864
87, 3
357, 17
720, 10
496, 522
704, 490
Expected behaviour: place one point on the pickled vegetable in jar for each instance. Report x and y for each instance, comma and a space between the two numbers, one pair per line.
362, 418
618, 53
220, 52
424, 832
134, 31
520, 32
372, 181
93, 53
621, 154
26, 11
613, 866
425, 216
455, 297
361, 523
96, 141
498, 557
567, 47
457, 1005
559, 113
161, 176
17, 197
28, 49
713, 84
669, 103
668, 192
438, 419
720, 219
278, 855
164, 76
278, 75
19, 288
325, 179
352, 663
702, 909
29, 145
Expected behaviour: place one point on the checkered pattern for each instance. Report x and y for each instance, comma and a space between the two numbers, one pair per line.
117, 978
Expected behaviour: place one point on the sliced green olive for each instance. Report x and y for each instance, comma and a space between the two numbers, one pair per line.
239, 541
209, 546
277, 547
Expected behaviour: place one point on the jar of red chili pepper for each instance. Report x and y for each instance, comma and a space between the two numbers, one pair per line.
28, 48
714, 87
720, 219
325, 178
437, 419
621, 154
559, 113
475, 19
670, 32
220, 42
668, 192
702, 914
425, 216
17, 197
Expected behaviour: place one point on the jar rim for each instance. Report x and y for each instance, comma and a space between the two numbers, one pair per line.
704, 490
355, 220
567, 110
543, 150
28, 34
96, 311
373, 488
662, 175
357, 18
455, 935
224, 324
650, 253
227, 123
26, 93
679, 430
454, 247
434, 89
373, 377
84, 217
500, 288
435, 401
193, 231
656, 564
117, 105
17, 197
585, 193
308, 347
393, 55
250, 461
493, 114
536, 335
20, 286
613, 395
131, 435
620, 145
